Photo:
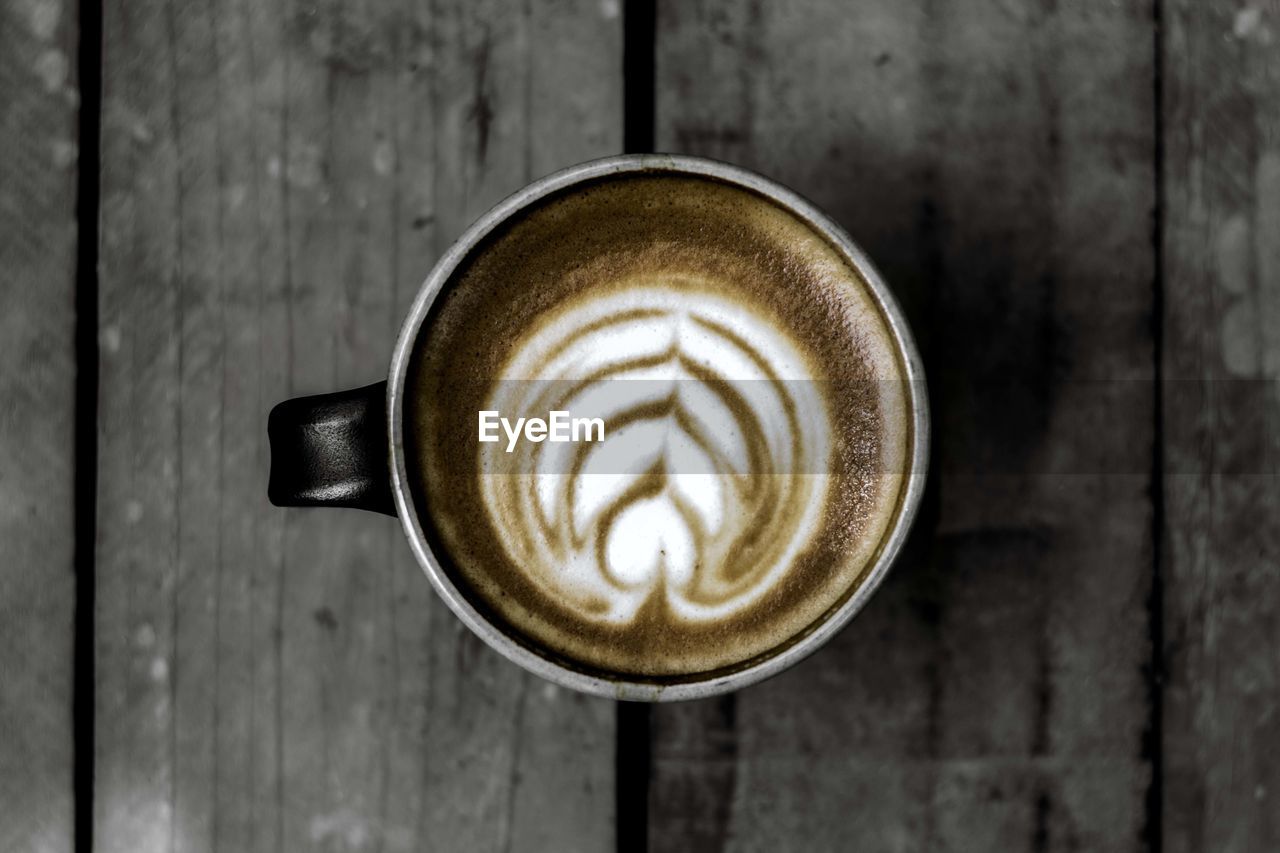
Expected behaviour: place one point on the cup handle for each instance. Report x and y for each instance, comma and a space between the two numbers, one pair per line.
331, 450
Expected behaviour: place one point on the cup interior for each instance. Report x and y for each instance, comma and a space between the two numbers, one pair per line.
541, 661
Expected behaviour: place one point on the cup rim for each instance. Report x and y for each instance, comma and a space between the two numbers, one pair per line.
717, 683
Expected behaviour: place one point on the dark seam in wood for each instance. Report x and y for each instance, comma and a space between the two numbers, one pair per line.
639, 48
85, 488
1153, 735
726, 750
932, 238
633, 768
931, 599
633, 746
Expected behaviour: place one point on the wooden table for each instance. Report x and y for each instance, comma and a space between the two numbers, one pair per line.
1078, 203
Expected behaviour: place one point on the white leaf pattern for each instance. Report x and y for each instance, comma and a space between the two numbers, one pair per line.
713, 471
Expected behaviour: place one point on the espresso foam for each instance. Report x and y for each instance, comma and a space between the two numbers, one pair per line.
756, 426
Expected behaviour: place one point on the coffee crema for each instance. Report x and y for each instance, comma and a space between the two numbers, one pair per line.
757, 426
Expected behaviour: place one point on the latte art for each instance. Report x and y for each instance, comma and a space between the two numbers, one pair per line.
713, 473
754, 434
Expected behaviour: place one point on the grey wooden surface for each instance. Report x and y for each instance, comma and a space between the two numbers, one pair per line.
277, 179
1222, 425
996, 160
37, 399
1077, 650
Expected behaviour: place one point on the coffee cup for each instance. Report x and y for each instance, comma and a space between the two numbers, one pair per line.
655, 429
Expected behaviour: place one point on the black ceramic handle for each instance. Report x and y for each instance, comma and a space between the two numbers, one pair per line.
331, 450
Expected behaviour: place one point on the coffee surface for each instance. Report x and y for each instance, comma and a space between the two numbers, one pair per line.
755, 426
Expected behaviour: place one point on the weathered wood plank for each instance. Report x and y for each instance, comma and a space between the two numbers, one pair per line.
995, 159
278, 179
1222, 422
38, 116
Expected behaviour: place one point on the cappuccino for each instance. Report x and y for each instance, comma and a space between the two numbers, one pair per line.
754, 427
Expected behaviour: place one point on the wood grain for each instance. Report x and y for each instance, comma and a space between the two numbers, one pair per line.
278, 178
38, 127
996, 160
1222, 423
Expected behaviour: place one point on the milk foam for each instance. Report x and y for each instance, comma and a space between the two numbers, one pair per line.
712, 479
